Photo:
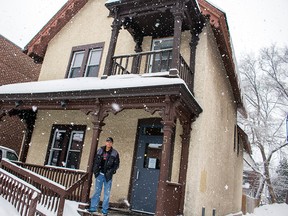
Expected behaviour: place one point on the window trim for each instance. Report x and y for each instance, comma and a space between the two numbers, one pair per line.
68, 128
86, 49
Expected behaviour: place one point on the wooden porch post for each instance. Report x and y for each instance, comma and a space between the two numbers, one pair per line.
168, 126
97, 127
178, 17
114, 36
184, 161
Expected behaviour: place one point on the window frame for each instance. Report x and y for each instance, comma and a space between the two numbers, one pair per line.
69, 129
86, 49
153, 60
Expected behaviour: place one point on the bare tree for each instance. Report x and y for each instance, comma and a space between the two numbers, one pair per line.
265, 87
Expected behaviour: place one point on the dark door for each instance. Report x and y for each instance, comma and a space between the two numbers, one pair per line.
147, 167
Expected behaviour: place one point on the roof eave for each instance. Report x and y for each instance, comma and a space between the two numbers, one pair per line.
218, 21
36, 48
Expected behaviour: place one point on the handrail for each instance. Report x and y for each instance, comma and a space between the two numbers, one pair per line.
49, 172
53, 194
142, 53
20, 194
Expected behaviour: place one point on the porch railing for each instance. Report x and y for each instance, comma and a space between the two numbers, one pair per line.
62, 176
21, 195
55, 184
151, 62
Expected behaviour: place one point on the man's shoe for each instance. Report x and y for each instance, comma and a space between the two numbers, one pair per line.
92, 209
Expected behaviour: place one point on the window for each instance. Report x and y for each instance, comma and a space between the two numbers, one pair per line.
65, 146
11, 156
161, 61
85, 61
152, 155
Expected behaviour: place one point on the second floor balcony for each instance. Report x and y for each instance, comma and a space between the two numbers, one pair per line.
156, 62
164, 22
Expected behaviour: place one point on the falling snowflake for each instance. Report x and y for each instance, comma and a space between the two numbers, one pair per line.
115, 107
34, 108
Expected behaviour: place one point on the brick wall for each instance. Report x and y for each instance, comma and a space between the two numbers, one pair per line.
15, 67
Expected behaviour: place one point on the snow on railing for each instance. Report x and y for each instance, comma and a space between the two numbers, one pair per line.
20, 194
53, 194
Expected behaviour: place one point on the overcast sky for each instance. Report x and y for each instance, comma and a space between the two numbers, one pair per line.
253, 23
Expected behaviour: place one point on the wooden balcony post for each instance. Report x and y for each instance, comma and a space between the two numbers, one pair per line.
178, 17
136, 59
113, 41
193, 45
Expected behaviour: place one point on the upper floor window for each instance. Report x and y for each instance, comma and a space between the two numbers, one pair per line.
161, 61
85, 61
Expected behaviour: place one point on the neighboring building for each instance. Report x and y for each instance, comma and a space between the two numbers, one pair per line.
251, 176
165, 87
15, 67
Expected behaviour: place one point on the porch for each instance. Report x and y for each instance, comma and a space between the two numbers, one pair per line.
172, 103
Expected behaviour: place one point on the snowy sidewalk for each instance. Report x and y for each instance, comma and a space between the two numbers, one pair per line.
271, 210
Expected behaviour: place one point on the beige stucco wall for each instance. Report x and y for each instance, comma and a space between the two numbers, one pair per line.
90, 25
214, 170
177, 153
122, 127
42, 131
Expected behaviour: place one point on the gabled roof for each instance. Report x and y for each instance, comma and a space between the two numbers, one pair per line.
36, 48
15, 66
218, 21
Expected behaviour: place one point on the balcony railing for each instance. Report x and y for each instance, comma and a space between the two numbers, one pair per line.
151, 62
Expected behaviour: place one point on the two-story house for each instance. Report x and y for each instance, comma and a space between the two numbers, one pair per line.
160, 78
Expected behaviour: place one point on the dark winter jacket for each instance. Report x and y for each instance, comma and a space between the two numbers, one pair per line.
111, 164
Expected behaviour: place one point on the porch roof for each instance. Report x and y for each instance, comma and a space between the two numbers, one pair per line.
81, 93
87, 83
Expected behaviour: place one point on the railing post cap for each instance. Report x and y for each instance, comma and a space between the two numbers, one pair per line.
173, 72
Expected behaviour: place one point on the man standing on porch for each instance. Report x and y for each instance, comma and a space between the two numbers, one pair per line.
106, 163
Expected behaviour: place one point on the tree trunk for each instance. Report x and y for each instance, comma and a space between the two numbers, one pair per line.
269, 183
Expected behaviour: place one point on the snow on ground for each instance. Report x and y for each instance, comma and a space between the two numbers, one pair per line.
271, 210
7, 208
70, 209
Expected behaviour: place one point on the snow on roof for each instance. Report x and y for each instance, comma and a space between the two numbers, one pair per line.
88, 83
111, 1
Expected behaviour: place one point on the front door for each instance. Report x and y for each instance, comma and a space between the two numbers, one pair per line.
147, 168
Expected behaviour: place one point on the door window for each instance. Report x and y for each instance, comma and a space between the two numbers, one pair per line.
152, 155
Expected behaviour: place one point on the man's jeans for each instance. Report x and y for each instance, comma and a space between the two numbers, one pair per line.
99, 182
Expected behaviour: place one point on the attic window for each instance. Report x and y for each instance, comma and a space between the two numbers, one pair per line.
85, 61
